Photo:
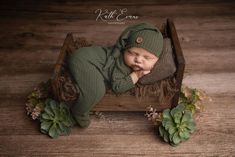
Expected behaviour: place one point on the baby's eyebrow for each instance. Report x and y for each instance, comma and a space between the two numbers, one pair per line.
134, 51
131, 50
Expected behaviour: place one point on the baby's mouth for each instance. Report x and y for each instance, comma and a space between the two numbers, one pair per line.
136, 67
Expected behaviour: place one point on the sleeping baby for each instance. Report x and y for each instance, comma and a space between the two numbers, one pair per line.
121, 66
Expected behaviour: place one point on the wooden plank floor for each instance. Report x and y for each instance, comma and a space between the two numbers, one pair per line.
31, 34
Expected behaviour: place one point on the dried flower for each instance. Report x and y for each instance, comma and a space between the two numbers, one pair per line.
34, 108
187, 91
153, 115
99, 115
29, 108
35, 102
192, 99
36, 112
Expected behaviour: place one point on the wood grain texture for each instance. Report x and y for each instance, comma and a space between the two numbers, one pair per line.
120, 134
32, 33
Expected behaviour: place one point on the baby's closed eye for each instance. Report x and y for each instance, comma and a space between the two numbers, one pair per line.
132, 53
148, 57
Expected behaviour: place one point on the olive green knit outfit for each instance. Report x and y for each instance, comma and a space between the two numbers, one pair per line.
93, 67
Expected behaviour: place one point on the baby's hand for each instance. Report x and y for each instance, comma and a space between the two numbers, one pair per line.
136, 75
141, 73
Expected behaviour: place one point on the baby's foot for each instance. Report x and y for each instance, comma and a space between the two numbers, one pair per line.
84, 123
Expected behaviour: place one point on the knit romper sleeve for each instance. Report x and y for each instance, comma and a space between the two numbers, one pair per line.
121, 80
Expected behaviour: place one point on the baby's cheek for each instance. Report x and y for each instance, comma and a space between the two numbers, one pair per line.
131, 59
150, 66
146, 67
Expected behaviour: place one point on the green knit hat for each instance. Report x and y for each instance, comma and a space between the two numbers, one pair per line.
148, 39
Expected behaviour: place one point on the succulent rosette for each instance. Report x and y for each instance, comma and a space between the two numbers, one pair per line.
177, 125
56, 119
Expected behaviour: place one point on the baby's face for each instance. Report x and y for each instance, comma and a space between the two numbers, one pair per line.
139, 59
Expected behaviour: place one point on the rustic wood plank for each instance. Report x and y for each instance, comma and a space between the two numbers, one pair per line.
123, 145
196, 39
34, 40
15, 85
189, 39
217, 83
128, 103
16, 122
131, 2
15, 109
78, 11
121, 134
209, 60
14, 62
53, 27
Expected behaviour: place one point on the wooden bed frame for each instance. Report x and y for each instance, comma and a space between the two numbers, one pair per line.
112, 102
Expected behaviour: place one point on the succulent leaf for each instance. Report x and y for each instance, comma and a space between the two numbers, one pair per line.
187, 116
49, 111
172, 130
177, 118
161, 130
173, 111
184, 134
166, 114
176, 139
166, 137
47, 116
54, 107
45, 125
171, 136
53, 131
191, 126
180, 107
169, 124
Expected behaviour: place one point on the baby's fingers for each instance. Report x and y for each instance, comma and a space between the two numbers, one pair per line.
146, 72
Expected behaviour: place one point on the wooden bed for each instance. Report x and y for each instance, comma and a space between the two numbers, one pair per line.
128, 102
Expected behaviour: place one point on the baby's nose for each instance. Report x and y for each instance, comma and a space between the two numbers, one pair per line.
138, 60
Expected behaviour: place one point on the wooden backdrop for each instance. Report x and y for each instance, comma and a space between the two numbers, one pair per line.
31, 34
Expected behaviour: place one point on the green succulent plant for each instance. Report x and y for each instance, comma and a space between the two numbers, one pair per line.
177, 125
56, 119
